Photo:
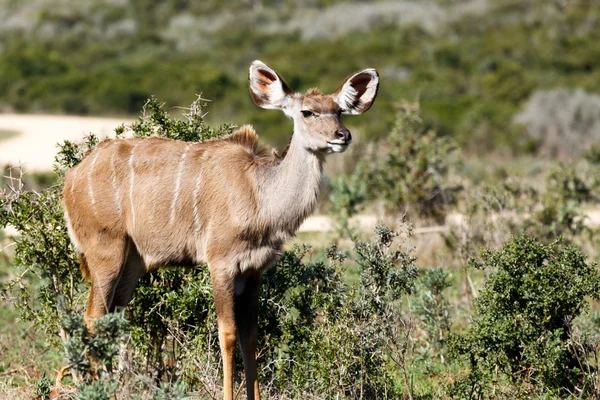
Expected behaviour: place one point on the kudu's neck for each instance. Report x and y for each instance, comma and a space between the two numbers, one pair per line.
289, 190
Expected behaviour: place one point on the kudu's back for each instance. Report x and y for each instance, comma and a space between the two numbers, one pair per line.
173, 201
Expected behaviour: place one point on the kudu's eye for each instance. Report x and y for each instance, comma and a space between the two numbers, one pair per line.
307, 113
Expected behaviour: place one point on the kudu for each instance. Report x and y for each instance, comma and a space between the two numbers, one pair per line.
134, 205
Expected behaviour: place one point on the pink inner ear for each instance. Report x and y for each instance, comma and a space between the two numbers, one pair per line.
368, 94
265, 78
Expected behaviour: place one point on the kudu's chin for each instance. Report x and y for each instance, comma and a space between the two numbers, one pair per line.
338, 146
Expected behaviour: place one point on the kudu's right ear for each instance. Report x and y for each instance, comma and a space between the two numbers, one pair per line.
267, 88
358, 92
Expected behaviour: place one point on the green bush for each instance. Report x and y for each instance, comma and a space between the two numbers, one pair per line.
520, 342
412, 175
348, 196
557, 211
408, 172
434, 310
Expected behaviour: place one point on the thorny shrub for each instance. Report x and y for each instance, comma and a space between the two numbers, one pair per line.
434, 310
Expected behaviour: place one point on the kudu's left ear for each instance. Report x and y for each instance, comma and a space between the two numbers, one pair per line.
358, 92
267, 87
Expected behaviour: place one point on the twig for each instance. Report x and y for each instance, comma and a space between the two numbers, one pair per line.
9, 372
242, 384
472, 286
7, 246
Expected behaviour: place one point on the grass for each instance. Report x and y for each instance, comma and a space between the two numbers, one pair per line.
25, 355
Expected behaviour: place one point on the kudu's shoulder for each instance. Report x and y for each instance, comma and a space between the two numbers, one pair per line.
247, 139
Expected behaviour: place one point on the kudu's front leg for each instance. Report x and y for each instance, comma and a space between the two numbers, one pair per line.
246, 315
224, 293
236, 301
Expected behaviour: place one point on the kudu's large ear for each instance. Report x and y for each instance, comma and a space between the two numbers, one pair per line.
357, 93
267, 88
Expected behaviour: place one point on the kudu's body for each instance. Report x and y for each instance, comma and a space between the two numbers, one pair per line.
133, 205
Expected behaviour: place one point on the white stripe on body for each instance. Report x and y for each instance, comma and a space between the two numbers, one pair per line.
115, 186
178, 183
197, 224
89, 181
131, 181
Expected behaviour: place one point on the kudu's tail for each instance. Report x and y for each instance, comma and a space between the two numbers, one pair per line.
85, 269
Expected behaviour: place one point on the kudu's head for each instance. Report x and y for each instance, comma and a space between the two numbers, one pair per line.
316, 116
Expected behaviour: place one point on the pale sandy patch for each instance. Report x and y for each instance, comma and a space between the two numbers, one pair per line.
35, 146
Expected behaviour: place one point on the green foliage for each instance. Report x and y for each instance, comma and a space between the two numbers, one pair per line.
155, 121
433, 308
176, 391
493, 212
386, 273
170, 308
522, 326
567, 190
97, 390
92, 354
413, 173
43, 388
347, 197
593, 154
43, 250
408, 172
345, 340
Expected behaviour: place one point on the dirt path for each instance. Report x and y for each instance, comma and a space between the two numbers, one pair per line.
35, 146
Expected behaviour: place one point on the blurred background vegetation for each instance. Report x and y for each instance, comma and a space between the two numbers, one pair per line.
486, 72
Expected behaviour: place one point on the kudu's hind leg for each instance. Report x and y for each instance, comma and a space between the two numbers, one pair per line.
133, 269
105, 264
246, 315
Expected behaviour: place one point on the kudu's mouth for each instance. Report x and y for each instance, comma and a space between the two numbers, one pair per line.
338, 145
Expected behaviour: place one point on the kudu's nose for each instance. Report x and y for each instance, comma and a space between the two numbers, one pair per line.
345, 135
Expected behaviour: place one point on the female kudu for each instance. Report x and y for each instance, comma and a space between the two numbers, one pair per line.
133, 205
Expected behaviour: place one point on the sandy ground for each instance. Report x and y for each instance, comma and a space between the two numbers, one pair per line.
35, 146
